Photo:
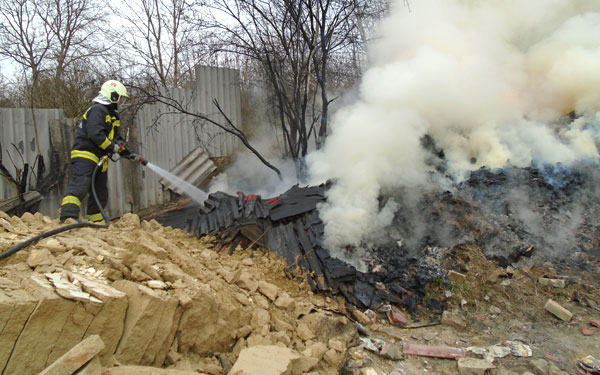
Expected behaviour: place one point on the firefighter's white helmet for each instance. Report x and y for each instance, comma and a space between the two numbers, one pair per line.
114, 91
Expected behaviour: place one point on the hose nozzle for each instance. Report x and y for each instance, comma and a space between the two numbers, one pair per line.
137, 157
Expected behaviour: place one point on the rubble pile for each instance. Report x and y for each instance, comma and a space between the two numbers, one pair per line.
139, 297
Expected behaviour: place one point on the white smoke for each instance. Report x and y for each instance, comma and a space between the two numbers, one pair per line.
487, 80
249, 175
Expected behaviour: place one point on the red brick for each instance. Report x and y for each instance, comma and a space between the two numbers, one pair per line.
587, 332
396, 316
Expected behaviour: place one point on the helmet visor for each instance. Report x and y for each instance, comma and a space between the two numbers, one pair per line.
122, 100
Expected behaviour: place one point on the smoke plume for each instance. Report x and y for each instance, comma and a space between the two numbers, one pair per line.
249, 175
491, 83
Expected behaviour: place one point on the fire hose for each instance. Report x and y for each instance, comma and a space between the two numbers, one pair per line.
83, 224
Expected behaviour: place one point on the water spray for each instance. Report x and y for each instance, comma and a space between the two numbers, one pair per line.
190, 190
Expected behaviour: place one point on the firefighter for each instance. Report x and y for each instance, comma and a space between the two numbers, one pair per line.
97, 135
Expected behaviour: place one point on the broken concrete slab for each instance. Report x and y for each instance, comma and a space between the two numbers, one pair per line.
108, 322
456, 277
15, 308
148, 323
474, 366
284, 301
74, 329
66, 289
75, 358
39, 256
101, 291
268, 290
270, 360
392, 351
361, 317
453, 318
43, 328
556, 283
304, 332
93, 367
246, 281
557, 310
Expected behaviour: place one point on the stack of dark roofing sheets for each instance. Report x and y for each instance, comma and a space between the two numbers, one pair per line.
290, 226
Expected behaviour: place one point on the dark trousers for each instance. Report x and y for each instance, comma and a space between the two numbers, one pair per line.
80, 185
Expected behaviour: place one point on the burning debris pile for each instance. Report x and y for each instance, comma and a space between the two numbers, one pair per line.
513, 214
290, 226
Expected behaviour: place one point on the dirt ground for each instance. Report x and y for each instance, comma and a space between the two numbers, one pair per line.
494, 305
203, 307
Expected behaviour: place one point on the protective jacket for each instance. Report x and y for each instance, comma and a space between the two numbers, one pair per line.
97, 132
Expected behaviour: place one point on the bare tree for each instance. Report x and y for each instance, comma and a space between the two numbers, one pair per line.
76, 27
264, 31
296, 44
160, 35
24, 37
326, 26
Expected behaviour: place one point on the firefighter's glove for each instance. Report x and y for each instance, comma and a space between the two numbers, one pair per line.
119, 146
115, 147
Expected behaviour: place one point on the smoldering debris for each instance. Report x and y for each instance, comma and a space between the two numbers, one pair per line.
514, 214
290, 226
546, 212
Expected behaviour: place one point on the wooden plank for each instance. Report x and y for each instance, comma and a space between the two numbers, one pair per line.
309, 252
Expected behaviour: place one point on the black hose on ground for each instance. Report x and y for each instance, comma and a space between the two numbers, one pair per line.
65, 228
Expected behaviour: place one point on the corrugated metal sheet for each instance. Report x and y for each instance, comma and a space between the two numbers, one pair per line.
163, 138
19, 147
195, 168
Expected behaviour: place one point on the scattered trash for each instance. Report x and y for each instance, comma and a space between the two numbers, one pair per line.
361, 329
518, 349
462, 303
590, 364
448, 294
595, 323
373, 345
